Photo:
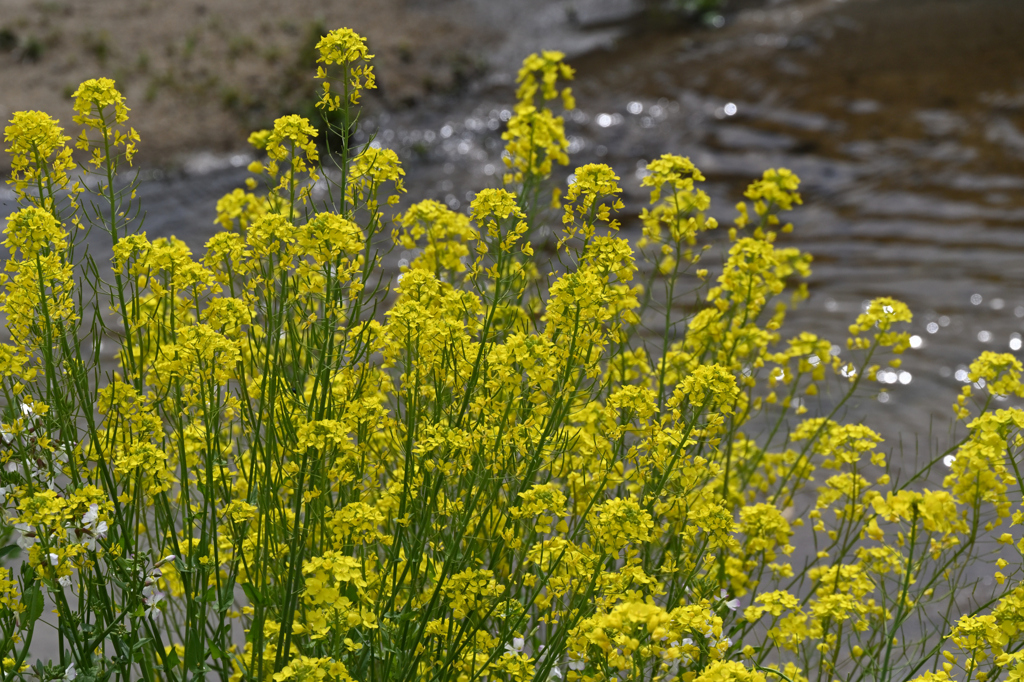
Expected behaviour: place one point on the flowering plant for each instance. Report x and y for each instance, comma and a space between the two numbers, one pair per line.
497, 473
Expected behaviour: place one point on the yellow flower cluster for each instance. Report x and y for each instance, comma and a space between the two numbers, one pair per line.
535, 136
592, 183
92, 100
479, 472
346, 48
40, 158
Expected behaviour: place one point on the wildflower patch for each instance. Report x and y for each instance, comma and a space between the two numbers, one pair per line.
495, 467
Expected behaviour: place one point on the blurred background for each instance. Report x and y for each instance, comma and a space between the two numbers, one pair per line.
904, 119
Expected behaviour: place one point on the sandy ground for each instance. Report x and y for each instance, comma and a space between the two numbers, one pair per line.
200, 74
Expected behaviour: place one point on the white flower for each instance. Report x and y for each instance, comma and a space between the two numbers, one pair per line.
27, 410
93, 536
577, 663
54, 559
92, 531
732, 604
555, 674
151, 595
90, 516
516, 647
64, 580
7, 436
70, 673
28, 535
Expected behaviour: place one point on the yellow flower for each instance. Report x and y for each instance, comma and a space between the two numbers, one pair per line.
536, 139
775, 191
618, 522
348, 49
368, 173
91, 101
549, 67
998, 372
728, 671
448, 235
34, 137
592, 184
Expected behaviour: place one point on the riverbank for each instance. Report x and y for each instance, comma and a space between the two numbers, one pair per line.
201, 75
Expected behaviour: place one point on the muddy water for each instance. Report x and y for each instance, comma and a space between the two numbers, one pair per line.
904, 118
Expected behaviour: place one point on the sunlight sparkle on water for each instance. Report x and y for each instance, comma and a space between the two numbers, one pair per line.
889, 376
608, 120
932, 327
916, 341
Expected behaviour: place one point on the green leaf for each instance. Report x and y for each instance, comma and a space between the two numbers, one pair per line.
216, 652
9, 550
32, 599
172, 662
194, 654
399, 617
253, 593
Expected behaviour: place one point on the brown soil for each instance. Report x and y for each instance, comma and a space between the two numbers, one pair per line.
201, 74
